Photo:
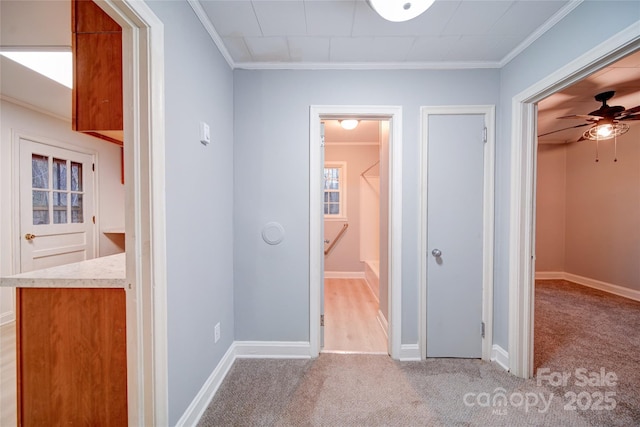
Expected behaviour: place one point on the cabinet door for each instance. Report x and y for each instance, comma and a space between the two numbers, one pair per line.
98, 82
72, 359
97, 70
89, 18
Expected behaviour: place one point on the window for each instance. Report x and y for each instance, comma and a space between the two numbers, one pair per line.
335, 190
57, 190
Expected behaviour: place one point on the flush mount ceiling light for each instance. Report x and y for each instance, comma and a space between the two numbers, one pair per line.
605, 131
349, 124
399, 10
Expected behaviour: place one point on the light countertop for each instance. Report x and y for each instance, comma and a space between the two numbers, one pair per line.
103, 272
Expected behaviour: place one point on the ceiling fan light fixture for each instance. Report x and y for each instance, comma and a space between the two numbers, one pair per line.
400, 10
349, 124
606, 131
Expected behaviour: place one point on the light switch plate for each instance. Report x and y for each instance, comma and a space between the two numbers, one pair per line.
205, 133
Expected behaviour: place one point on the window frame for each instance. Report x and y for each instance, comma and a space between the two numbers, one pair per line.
342, 191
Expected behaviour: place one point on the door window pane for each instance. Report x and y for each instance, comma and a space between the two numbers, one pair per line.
40, 201
76, 176
39, 171
59, 207
76, 209
59, 174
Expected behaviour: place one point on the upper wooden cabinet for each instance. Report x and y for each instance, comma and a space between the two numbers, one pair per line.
97, 72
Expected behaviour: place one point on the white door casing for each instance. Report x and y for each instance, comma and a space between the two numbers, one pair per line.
485, 269
522, 193
316, 217
64, 230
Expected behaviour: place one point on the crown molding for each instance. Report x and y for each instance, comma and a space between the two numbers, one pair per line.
557, 17
208, 26
429, 65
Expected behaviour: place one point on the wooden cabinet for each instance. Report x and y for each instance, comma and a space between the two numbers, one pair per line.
97, 72
72, 357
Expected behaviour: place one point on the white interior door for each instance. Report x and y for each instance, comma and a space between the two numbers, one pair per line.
455, 235
56, 206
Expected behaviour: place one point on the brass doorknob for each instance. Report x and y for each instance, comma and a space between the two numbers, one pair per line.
29, 236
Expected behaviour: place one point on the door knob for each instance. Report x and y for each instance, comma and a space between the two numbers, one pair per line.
29, 236
436, 253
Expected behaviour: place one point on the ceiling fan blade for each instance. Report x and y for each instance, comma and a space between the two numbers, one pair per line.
560, 130
627, 118
629, 112
581, 116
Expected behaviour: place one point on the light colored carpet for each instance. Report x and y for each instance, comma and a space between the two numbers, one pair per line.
373, 390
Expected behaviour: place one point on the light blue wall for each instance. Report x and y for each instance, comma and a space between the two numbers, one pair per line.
271, 172
219, 269
588, 25
199, 197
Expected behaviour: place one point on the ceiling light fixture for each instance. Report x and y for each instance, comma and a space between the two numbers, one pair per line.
400, 10
605, 131
349, 124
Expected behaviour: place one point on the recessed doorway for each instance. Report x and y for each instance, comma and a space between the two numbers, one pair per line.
390, 255
355, 209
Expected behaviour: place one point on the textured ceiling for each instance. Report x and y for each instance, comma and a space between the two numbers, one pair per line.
348, 33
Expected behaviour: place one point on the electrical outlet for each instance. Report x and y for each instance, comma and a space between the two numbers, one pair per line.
217, 332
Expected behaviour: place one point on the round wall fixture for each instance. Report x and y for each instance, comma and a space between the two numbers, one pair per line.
272, 233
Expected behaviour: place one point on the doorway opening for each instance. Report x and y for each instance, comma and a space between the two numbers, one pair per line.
390, 253
523, 191
355, 209
586, 233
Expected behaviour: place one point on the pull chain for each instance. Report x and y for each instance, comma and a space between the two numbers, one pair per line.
615, 148
597, 156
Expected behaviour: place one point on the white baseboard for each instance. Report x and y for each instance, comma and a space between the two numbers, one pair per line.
273, 349
383, 323
591, 283
7, 317
409, 353
603, 286
549, 275
344, 275
199, 404
500, 356
239, 350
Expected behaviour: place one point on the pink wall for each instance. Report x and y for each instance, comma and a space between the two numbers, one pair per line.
345, 256
601, 210
550, 208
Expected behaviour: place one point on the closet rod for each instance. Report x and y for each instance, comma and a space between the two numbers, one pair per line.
369, 168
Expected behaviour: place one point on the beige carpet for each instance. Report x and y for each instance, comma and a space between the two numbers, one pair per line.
373, 390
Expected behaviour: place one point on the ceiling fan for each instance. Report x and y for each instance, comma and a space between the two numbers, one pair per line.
606, 121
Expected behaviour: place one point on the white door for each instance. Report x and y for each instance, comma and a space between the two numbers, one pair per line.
56, 206
454, 235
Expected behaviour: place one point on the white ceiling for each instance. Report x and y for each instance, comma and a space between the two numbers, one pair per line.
339, 34
348, 33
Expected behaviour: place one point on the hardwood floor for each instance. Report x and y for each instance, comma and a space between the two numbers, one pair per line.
351, 318
8, 375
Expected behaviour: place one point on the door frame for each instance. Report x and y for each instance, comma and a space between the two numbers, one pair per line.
488, 219
523, 192
316, 218
17, 136
145, 217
